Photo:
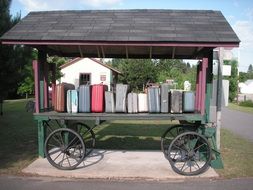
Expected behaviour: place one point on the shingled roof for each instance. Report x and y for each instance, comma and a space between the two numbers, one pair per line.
128, 26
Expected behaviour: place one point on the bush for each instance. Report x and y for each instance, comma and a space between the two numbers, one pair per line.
246, 103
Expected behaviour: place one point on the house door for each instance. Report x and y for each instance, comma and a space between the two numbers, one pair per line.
84, 78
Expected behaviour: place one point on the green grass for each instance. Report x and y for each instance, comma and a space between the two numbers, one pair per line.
240, 108
18, 137
18, 141
237, 154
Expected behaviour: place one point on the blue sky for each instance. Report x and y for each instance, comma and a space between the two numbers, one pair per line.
239, 13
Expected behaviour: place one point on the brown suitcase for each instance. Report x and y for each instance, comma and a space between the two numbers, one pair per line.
61, 96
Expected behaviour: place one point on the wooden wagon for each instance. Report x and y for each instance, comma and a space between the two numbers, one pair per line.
153, 34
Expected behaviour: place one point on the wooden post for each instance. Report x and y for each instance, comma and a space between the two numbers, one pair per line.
203, 86
200, 87
46, 98
53, 84
36, 85
41, 60
41, 138
209, 85
197, 88
219, 97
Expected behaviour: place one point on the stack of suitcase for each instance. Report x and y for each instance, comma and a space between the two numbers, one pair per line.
96, 99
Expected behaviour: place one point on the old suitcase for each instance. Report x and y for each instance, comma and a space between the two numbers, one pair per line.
61, 96
132, 102
154, 99
176, 102
165, 104
188, 101
121, 93
142, 102
72, 101
109, 102
84, 98
97, 98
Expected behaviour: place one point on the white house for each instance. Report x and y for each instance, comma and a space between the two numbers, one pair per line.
246, 87
88, 71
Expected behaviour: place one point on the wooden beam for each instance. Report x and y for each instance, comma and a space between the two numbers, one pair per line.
150, 52
173, 52
80, 51
103, 52
126, 52
98, 52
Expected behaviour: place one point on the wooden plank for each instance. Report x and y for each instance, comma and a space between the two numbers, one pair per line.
36, 85
203, 86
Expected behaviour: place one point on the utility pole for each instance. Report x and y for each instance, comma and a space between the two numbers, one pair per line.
219, 97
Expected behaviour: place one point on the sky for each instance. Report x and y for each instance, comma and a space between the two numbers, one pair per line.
239, 14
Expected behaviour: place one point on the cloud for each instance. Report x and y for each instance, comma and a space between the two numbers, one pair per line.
244, 30
42, 5
100, 3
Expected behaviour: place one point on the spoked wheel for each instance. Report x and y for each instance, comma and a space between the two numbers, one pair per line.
64, 149
189, 154
88, 136
171, 133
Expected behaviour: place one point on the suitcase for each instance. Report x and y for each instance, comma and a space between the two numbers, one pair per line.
176, 101
132, 102
121, 93
165, 104
142, 102
188, 101
109, 102
61, 96
84, 99
97, 98
72, 101
154, 99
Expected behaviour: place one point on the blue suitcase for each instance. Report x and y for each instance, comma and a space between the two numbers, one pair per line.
188, 101
72, 101
84, 98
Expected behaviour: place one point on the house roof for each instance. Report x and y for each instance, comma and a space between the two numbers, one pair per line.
109, 33
73, 61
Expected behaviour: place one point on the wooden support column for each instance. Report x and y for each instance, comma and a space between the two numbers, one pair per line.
197, 89
36, 85
200, 87
41, 138
203, 85
41, 60
219, 97
46, 95
209, 85
53, 84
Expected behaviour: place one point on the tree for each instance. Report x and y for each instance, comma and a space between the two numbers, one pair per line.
232, 79
136, 72
9, 67
250, 69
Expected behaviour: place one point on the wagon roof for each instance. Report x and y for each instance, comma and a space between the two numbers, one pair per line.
91, 32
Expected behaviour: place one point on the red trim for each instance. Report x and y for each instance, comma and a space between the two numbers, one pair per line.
161, 44
46, 98
36, 85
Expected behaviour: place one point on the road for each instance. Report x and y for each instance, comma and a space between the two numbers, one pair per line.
240, 123
42, 183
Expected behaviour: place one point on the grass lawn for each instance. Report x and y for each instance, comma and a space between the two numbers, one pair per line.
18, 141
240, 108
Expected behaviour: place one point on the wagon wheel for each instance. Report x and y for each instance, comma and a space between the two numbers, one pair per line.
171, 133
64, 149
87, 134
189, 154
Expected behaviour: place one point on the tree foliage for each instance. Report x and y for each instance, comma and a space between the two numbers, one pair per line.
137, 72
233, 79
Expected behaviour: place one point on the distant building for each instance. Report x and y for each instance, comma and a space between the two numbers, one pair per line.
246, 87
88, 71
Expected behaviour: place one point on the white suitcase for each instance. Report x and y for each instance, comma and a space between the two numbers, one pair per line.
142, 102
132, 102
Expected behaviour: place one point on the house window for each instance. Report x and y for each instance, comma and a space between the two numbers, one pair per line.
84, 78
102, 77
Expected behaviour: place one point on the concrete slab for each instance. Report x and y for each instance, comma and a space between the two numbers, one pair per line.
111, 164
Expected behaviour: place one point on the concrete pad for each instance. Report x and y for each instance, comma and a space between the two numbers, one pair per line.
112, 164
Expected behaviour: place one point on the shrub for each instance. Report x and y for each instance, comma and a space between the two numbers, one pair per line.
246, 103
